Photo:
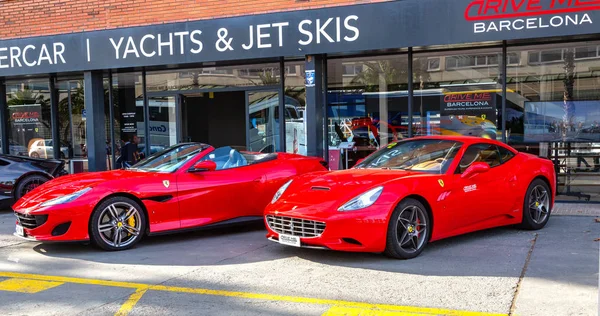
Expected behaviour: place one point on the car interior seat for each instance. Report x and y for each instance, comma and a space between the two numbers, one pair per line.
235, 160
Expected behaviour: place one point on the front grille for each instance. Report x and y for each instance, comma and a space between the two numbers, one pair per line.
295, 226
31, 221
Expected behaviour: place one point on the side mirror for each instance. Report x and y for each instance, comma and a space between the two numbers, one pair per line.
475, 169
206, 165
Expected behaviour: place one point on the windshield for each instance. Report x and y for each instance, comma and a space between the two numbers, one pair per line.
170, 159
426, 155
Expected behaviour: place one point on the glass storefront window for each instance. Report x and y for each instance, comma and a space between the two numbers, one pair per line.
554, 99
72, 124
128, 106
367, 106
213, 77
553, 109
29, 122
163, 122
461, 96
295, 105
71, 118
263, 133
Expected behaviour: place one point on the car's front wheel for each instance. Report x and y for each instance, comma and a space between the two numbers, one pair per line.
408, 230
117, 224
536, 207
27, 184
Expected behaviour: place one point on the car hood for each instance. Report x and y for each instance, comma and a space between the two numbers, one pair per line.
72, 183
339, 186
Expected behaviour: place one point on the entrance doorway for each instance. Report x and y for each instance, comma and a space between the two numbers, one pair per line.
244, 120
215, 118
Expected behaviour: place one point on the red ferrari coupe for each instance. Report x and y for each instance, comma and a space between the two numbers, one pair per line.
413, 192
186, 186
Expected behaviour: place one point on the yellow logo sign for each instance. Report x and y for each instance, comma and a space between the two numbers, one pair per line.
483, 116
441, 182
166, 183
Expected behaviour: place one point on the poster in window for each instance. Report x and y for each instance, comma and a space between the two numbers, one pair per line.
469, 114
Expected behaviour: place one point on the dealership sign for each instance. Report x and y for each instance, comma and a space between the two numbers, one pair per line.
386, 25
25, 114
518, 15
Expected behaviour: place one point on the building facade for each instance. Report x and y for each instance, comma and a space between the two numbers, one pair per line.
78, 78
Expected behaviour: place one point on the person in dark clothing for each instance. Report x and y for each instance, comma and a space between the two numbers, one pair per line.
129, 152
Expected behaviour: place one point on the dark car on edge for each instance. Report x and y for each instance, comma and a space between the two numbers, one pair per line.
19, 175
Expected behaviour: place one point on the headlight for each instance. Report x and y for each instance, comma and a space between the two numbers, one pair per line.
364, 200
279, 192
66, 198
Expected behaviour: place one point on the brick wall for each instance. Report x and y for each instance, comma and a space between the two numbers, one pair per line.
25, 18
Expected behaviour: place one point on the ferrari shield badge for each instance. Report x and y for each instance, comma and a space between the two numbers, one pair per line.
441, 182
166, 183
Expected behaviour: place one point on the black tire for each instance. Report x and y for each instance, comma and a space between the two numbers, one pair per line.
104, 226
397, 236
536, 212
28, 183
35, 155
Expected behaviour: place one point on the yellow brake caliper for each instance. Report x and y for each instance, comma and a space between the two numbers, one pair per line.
131, 223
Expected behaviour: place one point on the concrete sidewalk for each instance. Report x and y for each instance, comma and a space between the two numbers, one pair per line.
577, 209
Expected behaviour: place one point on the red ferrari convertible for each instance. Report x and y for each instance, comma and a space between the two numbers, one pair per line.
413, 192
186, 186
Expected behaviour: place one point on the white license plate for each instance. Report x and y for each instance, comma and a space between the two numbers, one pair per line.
19, 230
289, 240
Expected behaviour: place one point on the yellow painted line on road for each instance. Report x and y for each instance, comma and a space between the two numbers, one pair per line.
248, 295
131, 301
27, 286
351, 311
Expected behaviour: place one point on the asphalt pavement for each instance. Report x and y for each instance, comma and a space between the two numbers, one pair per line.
236, 271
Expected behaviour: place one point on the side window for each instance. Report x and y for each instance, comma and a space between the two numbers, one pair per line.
505, 154
449, 158
479, 153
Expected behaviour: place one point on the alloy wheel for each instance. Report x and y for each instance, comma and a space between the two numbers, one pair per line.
539, 204
30, 186
411, 230
119, 224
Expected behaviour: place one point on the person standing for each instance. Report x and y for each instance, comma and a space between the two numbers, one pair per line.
129, 152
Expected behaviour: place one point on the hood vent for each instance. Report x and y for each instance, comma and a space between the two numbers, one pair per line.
320, 188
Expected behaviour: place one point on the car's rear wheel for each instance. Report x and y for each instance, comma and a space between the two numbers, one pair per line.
27, 184
536, 207
35, 155
408, 230
117, 224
